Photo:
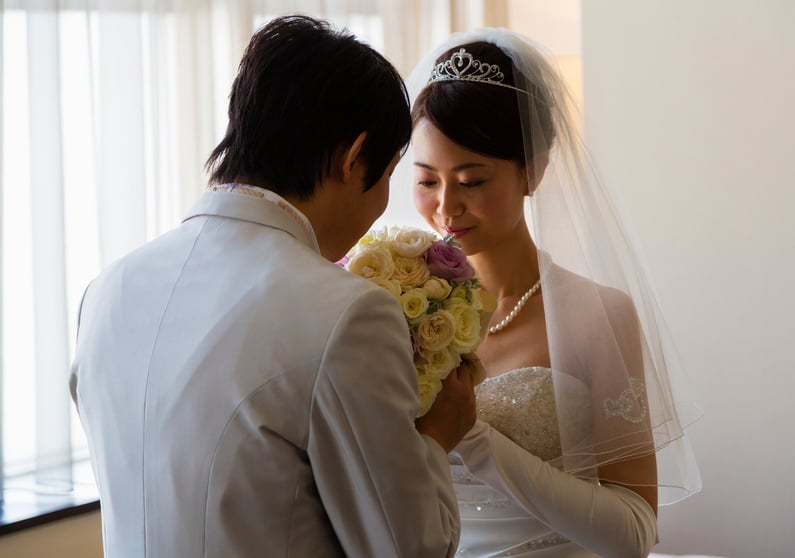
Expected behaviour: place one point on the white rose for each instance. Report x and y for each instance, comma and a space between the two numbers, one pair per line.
467, 324
436, 331
437, 288
411, 272
372, 262
410, 242
414, 303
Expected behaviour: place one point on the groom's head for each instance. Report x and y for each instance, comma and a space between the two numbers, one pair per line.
303, 92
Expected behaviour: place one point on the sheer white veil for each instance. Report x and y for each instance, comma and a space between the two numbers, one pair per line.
604, 327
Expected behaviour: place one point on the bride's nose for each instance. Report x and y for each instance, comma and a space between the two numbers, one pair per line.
450, 203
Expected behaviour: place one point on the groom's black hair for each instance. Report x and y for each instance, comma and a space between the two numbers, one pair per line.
302, 92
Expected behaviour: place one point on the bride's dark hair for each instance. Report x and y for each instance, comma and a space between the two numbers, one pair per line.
480, 117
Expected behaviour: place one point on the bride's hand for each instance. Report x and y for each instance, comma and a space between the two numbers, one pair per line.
454, 411
477, 369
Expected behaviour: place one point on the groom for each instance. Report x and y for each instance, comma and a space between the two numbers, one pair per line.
241, 394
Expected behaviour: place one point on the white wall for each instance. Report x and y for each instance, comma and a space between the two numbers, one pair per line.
690, 109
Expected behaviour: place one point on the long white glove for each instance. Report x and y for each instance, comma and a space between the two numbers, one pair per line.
609, 520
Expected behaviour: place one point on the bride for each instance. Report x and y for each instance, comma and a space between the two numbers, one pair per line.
580, 434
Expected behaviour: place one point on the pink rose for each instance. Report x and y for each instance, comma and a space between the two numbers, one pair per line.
448, 262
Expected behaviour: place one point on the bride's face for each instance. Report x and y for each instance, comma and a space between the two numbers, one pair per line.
476, 198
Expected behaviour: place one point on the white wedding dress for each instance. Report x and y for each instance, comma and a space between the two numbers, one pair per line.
521, 405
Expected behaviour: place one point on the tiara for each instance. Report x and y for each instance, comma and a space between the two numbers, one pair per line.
463, 67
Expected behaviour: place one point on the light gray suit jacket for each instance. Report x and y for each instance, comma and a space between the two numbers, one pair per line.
243, 396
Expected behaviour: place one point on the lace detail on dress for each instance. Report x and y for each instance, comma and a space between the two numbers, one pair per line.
630, 405
521, 405
459, 472
473, 499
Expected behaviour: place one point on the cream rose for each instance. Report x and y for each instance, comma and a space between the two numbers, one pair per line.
437, 288
391, 285
467, 324
414, 303
436, 331
441, 362
374, 235
459, 292
411, 272
372, 262
475, 300
429, 386
409, 242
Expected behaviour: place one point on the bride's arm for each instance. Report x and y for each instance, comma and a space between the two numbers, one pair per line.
617, 378
618, 516
607, 519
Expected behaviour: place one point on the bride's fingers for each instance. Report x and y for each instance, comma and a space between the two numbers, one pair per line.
475, 367
462, 377
458, 373
471, 358
466, 370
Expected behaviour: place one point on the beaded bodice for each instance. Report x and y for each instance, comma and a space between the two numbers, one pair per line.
521, 405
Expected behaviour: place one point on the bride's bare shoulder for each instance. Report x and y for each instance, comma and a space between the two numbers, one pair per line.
583, 296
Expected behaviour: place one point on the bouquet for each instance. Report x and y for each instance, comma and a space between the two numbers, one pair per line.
446, 310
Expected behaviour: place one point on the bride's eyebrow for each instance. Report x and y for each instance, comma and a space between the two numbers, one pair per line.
457, 168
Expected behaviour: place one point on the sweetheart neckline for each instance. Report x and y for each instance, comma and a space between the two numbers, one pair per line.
516, 370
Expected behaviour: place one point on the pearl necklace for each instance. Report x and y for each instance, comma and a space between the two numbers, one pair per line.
519, 305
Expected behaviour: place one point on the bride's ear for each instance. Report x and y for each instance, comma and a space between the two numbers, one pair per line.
535, 173
348, 157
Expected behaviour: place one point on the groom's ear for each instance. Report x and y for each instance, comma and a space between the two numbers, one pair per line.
349, 157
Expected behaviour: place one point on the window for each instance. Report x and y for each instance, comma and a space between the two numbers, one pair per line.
109, 110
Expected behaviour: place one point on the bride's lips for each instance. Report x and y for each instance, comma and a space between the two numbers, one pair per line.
457, 232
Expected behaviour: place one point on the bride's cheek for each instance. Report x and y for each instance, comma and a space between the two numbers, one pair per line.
421, 200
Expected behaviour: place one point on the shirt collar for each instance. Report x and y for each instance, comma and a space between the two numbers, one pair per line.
268, 209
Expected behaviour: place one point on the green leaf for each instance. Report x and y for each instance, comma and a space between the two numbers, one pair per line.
434, 305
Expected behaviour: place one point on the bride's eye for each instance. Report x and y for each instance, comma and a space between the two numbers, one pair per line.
471, 183
426, 183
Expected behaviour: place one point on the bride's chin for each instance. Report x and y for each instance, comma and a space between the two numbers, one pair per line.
465, 247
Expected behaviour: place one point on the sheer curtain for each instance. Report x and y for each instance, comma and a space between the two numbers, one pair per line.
109, 109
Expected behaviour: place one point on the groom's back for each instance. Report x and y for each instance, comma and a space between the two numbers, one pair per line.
207, 371
228, 375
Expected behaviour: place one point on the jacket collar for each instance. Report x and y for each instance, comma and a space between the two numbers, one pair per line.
270, 211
